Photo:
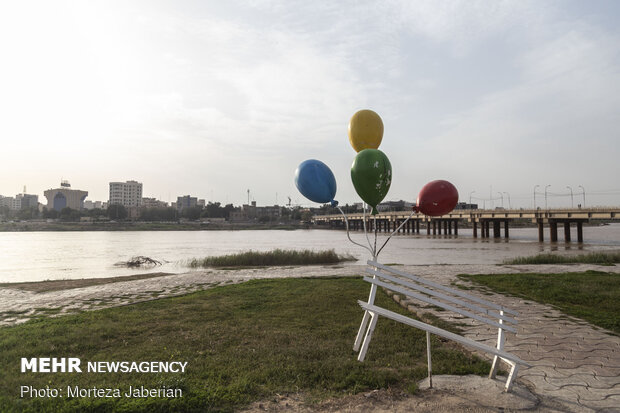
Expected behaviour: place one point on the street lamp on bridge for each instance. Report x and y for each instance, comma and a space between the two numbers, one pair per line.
508, 195
572, 205
470, 196
584, 195
502, 197
535, 195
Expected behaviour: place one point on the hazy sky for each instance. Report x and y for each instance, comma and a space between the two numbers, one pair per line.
212, 98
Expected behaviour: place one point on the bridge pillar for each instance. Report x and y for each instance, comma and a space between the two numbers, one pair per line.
506, 229
567, 231
417, 226
435, 227
487, 229
449, 227
541, 233
428, 228
496, 229
456, 227
579, 231
475, 228
553, 231
445, 227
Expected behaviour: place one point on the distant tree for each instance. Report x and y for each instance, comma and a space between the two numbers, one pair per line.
228, 209
285, 213
296, 214
158, 214
5, 212
50, 213
214, 210
306, 216
68, 214
192, 213
28, 213
97, 212
117, 211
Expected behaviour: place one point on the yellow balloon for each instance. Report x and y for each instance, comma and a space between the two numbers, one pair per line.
365, 130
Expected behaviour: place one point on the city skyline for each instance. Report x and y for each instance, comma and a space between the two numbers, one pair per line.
212, 99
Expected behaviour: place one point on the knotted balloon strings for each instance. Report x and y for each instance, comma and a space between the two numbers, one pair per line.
346, 221
373, 251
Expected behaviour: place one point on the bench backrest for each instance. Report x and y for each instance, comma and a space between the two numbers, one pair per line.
441, 296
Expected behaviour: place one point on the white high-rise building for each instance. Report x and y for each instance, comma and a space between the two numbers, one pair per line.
127, 194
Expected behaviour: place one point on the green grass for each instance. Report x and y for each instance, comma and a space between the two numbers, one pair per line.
243, 343
593, 296
271, 258
602, 258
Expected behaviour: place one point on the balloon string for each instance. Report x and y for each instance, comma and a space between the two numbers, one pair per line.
395, 231
366, 231
374, 250
349, 236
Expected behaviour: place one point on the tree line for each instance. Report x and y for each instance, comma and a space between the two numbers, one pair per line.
119, 212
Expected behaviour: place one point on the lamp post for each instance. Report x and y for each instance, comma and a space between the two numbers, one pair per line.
470, 196
535, 195
508, 195
546, 195
502, 197
572, 205
584, 195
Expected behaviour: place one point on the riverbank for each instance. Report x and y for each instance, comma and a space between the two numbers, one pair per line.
540, 340
20, 302
31, 226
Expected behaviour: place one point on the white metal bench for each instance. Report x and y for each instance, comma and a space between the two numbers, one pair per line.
445, 297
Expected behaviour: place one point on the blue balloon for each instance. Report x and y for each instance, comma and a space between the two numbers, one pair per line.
316, 181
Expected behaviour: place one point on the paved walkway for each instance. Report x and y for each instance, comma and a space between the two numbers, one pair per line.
572, 362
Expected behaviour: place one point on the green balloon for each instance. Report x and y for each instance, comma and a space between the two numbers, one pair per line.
371, 174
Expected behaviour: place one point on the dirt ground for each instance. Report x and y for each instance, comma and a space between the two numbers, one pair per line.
469, 394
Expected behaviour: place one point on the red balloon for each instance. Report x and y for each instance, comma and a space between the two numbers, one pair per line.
437, 198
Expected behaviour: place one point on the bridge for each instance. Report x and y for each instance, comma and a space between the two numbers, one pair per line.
478, 218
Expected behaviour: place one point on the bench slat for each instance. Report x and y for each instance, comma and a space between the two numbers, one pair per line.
440, 295
442, 287
439, 304
442, 333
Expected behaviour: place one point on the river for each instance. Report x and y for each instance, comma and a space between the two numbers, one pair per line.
36, 256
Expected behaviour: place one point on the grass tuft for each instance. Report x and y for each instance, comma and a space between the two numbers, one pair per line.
602, 258
276, 257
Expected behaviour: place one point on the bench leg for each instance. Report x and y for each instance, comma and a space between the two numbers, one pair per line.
362, 330
511, 377
501, 339
368, 337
